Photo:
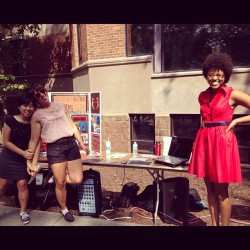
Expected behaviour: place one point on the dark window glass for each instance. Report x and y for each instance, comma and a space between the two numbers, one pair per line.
185, 125
243, 137
140, 39
143, 132
185, 46
79, 39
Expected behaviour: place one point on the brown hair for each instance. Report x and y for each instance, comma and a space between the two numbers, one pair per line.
33, 87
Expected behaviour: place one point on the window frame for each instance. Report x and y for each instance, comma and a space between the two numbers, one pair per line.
141, 142
210, 30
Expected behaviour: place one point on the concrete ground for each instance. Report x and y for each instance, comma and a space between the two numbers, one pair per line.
9, 216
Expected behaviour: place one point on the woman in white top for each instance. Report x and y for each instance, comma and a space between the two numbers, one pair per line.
52, 122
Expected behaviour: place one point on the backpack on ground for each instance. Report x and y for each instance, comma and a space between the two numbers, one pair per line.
147, 198
128, 195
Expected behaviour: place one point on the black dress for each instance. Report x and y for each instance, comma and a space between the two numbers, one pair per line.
13, 166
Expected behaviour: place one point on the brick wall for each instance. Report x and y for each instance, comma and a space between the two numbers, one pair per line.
162, 127
117, 129
83, 38
105, 41
74, 50
98, 41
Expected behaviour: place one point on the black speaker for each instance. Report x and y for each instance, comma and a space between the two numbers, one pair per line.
174, 200
90, 194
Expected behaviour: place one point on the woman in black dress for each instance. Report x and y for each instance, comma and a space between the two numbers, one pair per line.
16, 136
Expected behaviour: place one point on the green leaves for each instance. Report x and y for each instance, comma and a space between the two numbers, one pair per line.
11, 86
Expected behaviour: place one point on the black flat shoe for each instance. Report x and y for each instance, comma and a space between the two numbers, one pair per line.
69, 217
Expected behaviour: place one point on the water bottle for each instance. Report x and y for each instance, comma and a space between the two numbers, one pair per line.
157, 148
108, 147
135, 149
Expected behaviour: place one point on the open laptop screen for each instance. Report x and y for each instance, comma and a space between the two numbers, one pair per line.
181, 147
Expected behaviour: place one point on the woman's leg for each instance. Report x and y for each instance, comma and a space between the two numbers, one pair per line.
23, 194
224, 201
59, 172
212, 202
75, 172
3, 186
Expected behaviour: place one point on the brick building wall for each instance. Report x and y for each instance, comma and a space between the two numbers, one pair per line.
109, 41
106, 41
162, 128
116, 128
74, 50
98, 41
84, 48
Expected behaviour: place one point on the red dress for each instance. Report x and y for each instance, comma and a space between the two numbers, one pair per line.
215, 152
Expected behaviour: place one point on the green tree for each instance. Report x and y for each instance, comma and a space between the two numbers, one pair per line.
9, 33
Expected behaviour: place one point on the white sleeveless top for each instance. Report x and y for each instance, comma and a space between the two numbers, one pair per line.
54, 122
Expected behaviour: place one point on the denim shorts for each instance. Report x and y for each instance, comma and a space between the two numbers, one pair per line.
64, 149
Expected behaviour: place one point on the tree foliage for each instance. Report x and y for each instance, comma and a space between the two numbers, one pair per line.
8, 34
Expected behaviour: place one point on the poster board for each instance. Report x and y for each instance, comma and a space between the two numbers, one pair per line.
76, 102
95, 115
84, 108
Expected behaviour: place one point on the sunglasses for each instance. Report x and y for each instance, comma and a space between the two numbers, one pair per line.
38, 93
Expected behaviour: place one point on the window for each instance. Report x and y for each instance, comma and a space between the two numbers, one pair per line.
143, 132
79, 45
187, 125
243, 137
140, 39
185, 46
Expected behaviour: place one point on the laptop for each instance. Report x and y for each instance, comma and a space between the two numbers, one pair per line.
179, 153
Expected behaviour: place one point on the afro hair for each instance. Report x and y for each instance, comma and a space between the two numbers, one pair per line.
219, 61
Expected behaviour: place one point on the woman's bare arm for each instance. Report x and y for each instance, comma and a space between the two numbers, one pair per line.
239, 98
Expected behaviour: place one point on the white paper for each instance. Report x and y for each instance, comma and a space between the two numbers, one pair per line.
118, 155
39, 179
166, 144
137, 159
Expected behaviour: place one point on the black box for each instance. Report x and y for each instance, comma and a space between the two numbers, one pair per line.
90, 194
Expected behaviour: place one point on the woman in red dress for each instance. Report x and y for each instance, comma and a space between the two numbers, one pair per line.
215, 155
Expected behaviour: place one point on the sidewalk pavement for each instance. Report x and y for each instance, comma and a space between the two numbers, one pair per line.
9, 216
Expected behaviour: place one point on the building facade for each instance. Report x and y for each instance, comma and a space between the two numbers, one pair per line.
132, 87
140, 101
